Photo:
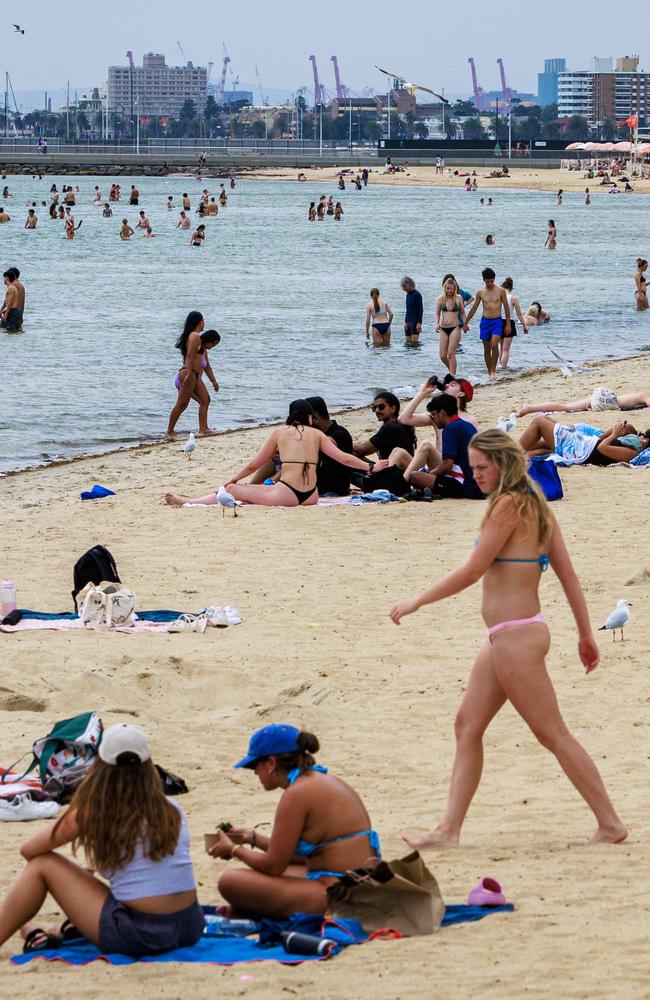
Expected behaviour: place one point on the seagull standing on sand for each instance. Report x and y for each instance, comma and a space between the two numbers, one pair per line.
189, 446
226, 499
507, 424
618, 619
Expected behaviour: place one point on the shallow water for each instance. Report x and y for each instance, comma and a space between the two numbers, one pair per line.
95, 365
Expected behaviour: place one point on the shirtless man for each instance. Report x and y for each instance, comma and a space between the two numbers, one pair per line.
134, 197
69, 197
183, 222
212, 208
186, 202
21, 289
492, 328
32, 219
4, 217
11, 315
143, 222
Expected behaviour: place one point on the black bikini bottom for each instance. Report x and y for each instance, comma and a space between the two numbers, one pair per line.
302, 496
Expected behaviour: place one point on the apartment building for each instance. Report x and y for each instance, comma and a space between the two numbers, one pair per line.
605, 92
155, 88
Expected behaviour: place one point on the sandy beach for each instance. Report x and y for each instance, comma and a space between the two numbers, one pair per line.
525, 178
316, 648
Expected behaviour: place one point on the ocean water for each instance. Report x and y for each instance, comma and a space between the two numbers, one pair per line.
95, 366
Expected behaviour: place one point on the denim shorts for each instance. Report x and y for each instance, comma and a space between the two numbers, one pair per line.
129, 932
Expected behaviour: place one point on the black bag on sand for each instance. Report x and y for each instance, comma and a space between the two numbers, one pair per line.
391, 479
95, 566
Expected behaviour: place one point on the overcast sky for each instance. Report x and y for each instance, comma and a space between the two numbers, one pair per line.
427, 43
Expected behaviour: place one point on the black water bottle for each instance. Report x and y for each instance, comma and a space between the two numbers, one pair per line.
305, 944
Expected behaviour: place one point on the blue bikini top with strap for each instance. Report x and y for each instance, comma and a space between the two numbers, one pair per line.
542, 560
305, 849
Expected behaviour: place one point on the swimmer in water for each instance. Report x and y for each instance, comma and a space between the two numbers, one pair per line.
559, 196
587, 197
194, 344
312, 212
97, 200
489, 240
338, 212
70, 228
148, 233
170, 201
330, 206
186, 202
551, 238
108, 211
32, 219
183, 222
125, 230
641, 294
143, 221
232, 183
197, 237
223, 197
380, 315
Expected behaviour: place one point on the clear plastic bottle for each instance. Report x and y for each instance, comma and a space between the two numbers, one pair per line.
217, 926
7, 597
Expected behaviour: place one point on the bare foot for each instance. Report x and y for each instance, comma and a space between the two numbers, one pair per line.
609, 835
437, 839
207, 430
175, 501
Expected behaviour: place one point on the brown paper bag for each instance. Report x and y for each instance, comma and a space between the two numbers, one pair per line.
402, 895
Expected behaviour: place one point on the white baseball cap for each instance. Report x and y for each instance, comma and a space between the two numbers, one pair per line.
123, 738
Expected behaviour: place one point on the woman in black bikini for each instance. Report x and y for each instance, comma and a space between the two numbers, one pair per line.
450, 317
641, 294
299, 446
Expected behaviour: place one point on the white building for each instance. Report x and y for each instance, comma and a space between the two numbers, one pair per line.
155, 88
596, 95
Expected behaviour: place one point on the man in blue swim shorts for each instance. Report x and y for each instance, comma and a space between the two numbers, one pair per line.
492, 328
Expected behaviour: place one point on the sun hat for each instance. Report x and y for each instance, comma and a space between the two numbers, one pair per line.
270, 741
124, 738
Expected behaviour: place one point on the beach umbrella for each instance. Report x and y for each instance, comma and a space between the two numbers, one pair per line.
576, 145
590, 147
624, 147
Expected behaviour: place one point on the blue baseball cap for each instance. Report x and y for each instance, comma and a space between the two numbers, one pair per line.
270, 741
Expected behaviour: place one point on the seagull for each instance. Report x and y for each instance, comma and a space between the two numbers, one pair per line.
226, 499
411, 87
21, 31
618, 619
507, 424
567, 368
189, 446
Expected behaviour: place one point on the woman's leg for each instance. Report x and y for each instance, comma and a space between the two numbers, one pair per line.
519, 664
504, 351
443, 348
79, 894
380, 339
187, 380
202, 397
251, 892
278, 495
483, 698
174, 500
577, 407
539, 434
452, 346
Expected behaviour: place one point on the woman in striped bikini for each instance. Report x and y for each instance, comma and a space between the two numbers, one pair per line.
519, 539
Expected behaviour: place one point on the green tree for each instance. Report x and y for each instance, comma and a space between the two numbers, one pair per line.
188, 112
577, 129
451, 128
473, 128
421, 130
607, 130
463, 109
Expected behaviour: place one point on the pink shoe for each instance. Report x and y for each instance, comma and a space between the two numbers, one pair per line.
487, 893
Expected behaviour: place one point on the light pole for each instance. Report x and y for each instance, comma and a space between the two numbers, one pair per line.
443, 114
350, 122
320, 139
137, 126
389, 113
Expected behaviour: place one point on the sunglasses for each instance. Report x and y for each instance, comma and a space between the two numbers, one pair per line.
378, 406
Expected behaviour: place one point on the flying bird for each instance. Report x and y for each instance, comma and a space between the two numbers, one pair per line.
567, 368
226, 499
618, 619
189, 446
21, 31
507, 424
411, 87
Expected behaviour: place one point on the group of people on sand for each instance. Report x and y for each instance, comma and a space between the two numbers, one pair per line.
137, 840
324, 208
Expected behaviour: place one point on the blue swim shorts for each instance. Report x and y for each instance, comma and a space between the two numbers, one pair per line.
491, 328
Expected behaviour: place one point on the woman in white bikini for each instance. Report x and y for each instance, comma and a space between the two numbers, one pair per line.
380, 315
519, 539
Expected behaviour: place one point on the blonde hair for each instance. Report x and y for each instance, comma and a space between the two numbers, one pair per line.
374, 295
512, 463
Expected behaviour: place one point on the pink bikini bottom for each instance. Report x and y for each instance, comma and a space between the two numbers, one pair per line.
538, 619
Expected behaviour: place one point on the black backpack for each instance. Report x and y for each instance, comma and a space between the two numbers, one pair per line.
94, 566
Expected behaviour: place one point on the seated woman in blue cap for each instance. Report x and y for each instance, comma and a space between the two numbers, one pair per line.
321, 829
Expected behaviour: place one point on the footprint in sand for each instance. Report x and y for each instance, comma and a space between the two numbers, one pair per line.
643, 576
12, 701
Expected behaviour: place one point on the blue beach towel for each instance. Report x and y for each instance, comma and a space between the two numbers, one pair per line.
147, 616
233, 950
96, 493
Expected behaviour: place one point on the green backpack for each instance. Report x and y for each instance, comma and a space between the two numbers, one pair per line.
64, 755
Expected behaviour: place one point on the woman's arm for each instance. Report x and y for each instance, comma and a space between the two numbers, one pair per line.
461, 312
563, 569
210, 373
477, 300
494, 536
266, 452
438, 311
328, 448
389, 312
368, 310
517, 307
279, 854
47, 840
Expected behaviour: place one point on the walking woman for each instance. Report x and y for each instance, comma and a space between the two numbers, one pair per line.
551, 236
321, 830
131, 834
641, 293
299, 446
450, 322
380, 315
194, 344
519, 539
515, 307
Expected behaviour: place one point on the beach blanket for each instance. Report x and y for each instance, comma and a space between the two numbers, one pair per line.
233, 950
146, 621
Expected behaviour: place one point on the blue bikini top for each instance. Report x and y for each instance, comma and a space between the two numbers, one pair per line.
542, 560
305, 849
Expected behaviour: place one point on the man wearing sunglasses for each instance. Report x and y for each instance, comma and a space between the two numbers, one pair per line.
391, 433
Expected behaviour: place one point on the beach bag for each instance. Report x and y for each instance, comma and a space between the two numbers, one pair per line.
95, 565
65, 754
545, 475
401, 895
106, 605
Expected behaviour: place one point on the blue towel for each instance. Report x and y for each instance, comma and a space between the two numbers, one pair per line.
96, 493
147, 616
232, 950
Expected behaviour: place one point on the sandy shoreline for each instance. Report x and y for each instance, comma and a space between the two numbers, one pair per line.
316, 648
525, 178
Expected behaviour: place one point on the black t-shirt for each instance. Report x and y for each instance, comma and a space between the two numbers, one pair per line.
332, 477
394, 435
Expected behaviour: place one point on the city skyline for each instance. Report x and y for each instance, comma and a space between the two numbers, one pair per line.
279, 42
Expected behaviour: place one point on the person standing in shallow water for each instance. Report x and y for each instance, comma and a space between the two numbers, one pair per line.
551, 236
519, 539
194, 345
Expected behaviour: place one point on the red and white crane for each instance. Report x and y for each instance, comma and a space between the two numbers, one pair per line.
480, 97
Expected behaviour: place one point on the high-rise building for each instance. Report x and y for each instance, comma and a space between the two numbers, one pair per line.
547, 81
615, 94
155, 88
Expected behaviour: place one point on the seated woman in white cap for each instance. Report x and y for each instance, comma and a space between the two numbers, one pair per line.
136, 838
321, 830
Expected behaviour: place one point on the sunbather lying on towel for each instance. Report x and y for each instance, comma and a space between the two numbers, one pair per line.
621, 443
601, 398
321, 829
